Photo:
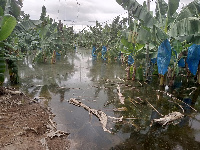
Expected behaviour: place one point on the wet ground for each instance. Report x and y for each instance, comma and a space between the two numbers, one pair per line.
26, 124
102, 86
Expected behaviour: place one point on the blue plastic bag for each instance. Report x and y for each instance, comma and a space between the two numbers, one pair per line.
193, 58
130, 60
163, 57
181, 63
93, 51
57, 54
153, 60
103, 52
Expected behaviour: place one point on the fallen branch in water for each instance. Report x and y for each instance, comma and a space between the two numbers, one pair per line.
168, 119
154, 108
121, 97
103, 118
174, 98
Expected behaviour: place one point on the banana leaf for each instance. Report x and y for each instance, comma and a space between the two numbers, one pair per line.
191, 10
172, 7
185, 29
161, 8
138, 11
7, 25
144, 36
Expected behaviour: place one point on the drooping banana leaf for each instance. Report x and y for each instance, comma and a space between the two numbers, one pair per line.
161, 8
128, 45
144, 36
185, 29
26, 25
7, 25
191, 10
138, 12
158, 35
172, 7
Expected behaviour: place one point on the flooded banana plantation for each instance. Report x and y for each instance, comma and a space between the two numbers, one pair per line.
93, 101
100, 75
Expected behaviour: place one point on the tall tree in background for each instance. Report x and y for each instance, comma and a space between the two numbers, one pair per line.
43, 14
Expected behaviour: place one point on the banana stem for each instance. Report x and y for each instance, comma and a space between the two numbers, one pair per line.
161, 80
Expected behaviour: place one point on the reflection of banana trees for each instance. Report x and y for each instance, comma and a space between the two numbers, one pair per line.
157, 138
41, 80
105, 76
136, 100
137, 106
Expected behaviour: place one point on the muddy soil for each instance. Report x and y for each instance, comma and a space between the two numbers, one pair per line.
25, 124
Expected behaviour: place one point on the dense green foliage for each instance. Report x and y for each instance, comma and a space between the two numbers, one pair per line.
20, 36
134, 35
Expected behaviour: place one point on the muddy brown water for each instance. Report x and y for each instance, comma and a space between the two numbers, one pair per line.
97, 84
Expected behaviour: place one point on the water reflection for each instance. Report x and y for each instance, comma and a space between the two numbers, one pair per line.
96, 84
43, 80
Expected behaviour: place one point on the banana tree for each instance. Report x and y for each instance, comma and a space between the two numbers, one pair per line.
7, 24
180, 27
132, 48
167, 23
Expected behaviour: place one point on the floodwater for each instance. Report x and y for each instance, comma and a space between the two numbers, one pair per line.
101, 86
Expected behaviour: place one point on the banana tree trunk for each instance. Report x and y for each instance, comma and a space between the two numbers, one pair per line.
161, 80
147, 61
134, 72
147, 50
53, 58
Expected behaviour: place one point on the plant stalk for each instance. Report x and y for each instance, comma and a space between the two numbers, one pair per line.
161, 80
147, 50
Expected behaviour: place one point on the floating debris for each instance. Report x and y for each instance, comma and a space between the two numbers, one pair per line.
170, 118
121, 97
120, 109
103, 118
